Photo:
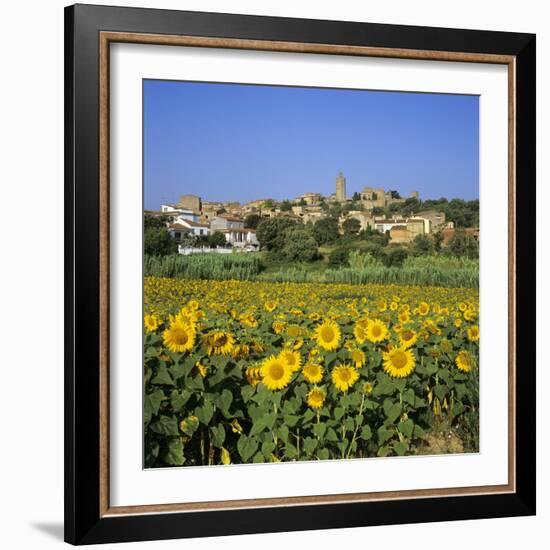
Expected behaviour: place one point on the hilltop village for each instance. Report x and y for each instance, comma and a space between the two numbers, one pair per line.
372, 210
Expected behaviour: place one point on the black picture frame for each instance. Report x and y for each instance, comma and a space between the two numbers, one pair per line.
84, 523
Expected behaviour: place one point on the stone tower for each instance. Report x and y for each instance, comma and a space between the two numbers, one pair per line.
340, 188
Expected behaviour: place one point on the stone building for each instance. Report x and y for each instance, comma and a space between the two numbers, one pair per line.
222, 223
364, 218
377, 197
190, 202
311, 199
340, 188
407, 232
437, 219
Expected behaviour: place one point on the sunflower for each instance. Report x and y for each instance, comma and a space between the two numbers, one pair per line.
187, 315
270, 305
312, 372
344, 376
423, 308
278, 327
225, 456
193, 305
394, 306
298, 344
253, 375
151, 322
377, 331
258, 347
179, 336
328, 335
360, 330
445, 346
291, 358
248, 320
470, 315
219, 343
276, 373
473, 333
316, 398
464, 361
368, 387
203, 369
458, 323
399, 362
236, 428
240, 351
408, 338
293, 331
358, 358
404, 317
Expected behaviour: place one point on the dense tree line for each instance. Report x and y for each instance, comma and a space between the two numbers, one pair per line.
288, 239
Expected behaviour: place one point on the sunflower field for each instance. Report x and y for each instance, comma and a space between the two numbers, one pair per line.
250, 371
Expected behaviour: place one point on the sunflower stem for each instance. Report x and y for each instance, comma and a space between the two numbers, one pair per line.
357, 427
202, 445
344, 417
274, 430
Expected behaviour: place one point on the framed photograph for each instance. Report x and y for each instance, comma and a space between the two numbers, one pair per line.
300, 274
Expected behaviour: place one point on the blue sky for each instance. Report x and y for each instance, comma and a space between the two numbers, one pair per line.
244, 142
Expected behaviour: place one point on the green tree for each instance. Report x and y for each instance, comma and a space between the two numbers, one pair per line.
462, 244
394, 257
356, 196
422, 245
252, 221
394, 194
268, 203
157, 242
438, 240
339, 257
411, 205
155, 222
378, 211
351, 226
271, 232
300, 246
325, 230
286, 206
216, 239
372, 236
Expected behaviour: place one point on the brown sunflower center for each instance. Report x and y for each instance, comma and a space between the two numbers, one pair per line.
399, 359
327, 334
180, 336
220, 340
345, 375
276, 371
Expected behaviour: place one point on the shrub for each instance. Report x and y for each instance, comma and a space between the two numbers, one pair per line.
394, 257
339, 256
299, 245
271, 232
157, 241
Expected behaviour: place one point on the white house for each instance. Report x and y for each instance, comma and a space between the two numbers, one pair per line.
222, 223
195, 228
180, 214
241, 237
178, 231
